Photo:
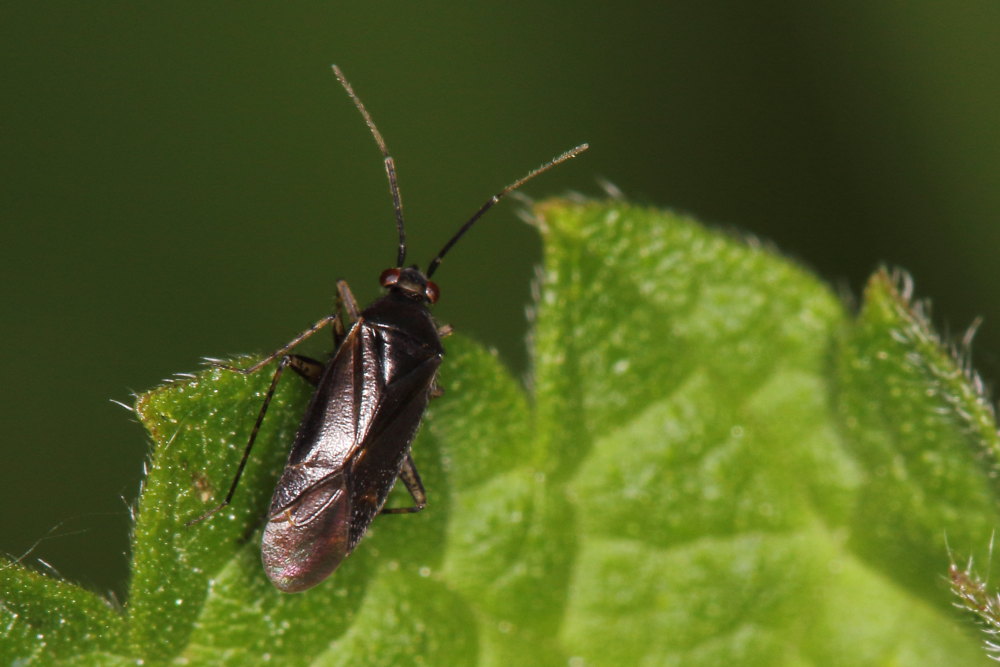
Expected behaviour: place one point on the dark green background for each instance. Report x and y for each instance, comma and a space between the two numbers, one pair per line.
188, 179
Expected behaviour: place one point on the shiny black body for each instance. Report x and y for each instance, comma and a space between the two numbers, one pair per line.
353, 440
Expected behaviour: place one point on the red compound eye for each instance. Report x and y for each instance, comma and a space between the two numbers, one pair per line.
389, 277
431, 292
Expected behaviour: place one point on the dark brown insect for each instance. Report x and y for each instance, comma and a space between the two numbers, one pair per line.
354, 440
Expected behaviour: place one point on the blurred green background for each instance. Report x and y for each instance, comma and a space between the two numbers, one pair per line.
188, 179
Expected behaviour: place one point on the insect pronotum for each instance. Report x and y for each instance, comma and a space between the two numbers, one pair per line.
354, 439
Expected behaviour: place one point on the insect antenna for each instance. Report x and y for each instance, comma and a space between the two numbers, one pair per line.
432, 267
390, 164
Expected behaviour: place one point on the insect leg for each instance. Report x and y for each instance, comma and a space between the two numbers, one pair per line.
411, 478
346, 298
308, 368
443, 331
334, 318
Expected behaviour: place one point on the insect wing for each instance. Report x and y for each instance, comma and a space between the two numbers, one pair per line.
305, 543
405, 367
329, 432
307, 533
347, 452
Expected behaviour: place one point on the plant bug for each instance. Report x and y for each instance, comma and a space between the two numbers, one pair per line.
354, 440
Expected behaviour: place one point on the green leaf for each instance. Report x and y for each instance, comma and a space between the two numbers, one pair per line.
43, 619
714, 463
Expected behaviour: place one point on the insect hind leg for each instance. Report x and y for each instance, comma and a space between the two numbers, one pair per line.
311, 370
411, 479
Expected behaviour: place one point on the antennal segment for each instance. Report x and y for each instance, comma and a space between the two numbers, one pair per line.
572, 153
390, 165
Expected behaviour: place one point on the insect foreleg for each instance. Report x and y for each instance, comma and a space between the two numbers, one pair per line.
285, 349
346, 299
